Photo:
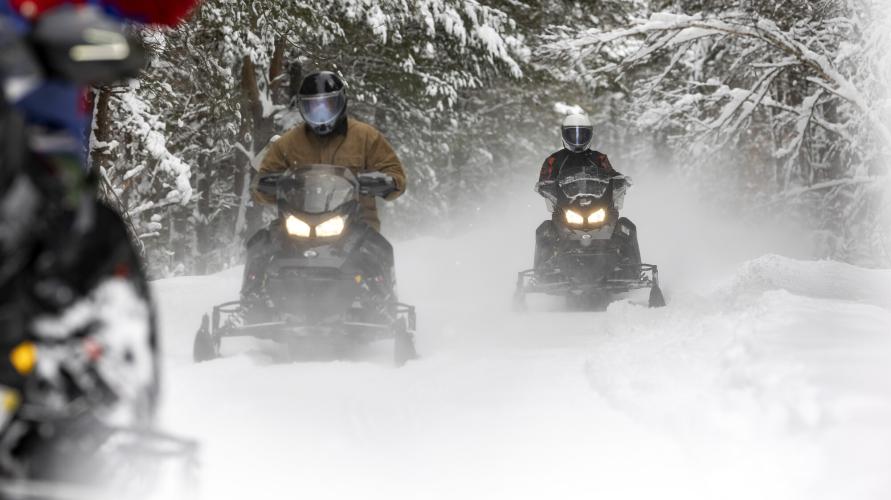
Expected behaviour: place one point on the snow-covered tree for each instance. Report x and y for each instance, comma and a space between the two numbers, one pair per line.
218, 89
784, 93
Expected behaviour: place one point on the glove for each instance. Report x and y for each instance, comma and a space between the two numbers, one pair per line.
547, 189
621, 182
376, 184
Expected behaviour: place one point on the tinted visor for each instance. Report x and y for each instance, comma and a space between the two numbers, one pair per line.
322, 109
578, 136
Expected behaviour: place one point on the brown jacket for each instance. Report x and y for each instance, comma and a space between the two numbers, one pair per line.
362, 148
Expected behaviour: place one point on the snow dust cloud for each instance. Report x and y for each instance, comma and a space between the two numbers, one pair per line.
757, 380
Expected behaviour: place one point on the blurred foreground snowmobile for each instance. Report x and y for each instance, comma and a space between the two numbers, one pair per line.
586, 251
318, 279
78, 343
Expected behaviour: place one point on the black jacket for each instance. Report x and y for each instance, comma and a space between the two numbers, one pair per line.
595, 161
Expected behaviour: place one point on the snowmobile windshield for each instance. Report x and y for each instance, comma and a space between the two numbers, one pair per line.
583, 185
317, 190
578, 136
322, 109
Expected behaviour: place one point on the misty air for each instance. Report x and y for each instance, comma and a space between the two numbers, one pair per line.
439, 249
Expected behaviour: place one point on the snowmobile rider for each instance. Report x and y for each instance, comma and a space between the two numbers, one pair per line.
328, 136
577, 133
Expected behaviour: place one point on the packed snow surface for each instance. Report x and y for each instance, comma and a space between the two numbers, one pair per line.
766, 377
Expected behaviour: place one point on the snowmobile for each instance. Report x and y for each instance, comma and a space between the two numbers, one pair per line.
586, 252
318, 279
78, 343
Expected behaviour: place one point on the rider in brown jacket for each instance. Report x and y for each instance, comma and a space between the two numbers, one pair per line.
329, 137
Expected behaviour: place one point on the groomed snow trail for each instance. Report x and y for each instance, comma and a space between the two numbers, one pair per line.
765, 377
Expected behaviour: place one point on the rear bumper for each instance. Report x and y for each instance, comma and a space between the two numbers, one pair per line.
227, 320
557, 283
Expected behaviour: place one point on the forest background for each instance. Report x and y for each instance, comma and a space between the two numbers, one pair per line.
771, 108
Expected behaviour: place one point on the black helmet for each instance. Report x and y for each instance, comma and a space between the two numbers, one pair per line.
322, 102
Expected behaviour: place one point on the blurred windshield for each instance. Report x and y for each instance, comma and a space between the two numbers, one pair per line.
584, 184
317, 189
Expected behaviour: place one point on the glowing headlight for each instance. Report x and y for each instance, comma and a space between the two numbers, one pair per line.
331, 227
598, 216
297, 227
24, 358
574, 218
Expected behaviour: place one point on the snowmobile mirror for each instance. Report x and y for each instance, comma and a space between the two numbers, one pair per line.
81, 44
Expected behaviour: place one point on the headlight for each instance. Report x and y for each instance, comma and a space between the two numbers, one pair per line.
598, 216
574, 218
24, 358
331, 227
297, 227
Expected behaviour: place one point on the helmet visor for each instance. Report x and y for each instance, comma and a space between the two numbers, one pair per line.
578, 136
322, 109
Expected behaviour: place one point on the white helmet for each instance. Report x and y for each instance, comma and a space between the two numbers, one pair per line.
577, 132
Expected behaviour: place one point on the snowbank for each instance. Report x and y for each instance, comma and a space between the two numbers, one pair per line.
774, 382
775, 385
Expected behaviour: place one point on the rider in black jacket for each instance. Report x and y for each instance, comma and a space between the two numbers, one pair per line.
577, 133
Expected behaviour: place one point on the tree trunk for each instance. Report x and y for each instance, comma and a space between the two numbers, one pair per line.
101, 161
277, 72
100, 157
203, 231
257, 130
380, 119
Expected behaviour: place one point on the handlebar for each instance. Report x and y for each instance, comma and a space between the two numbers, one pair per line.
370, 184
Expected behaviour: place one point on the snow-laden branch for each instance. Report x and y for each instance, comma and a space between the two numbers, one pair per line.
664, 31
148, 129
804, 99
822, 186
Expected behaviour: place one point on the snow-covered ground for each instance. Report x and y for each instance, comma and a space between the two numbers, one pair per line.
766, 377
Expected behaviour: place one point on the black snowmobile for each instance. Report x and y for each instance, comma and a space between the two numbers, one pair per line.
587, 252
78, 343
318, 279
